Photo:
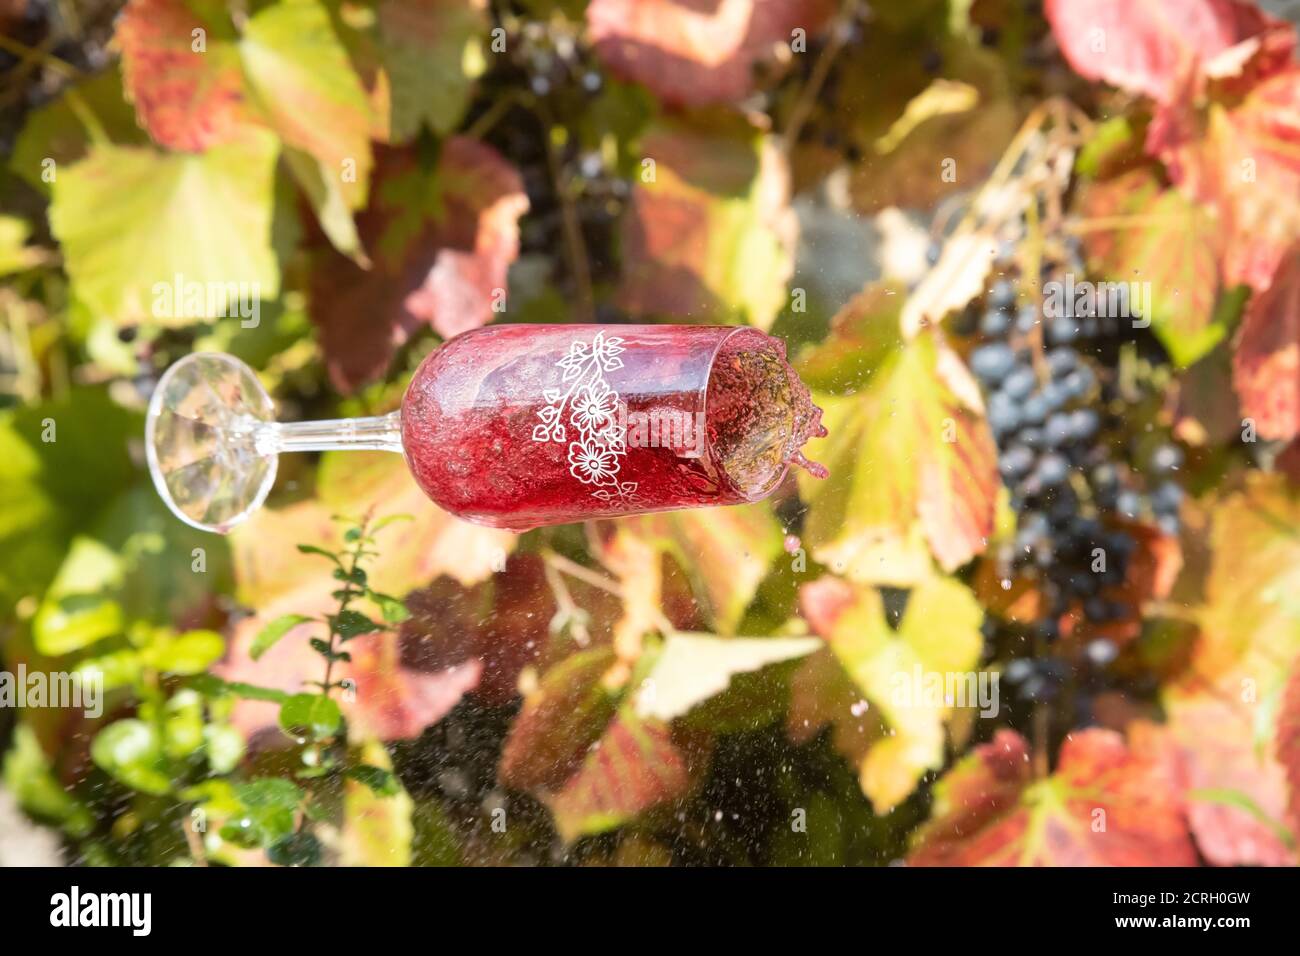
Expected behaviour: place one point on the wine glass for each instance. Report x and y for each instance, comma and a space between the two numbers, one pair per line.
513, 426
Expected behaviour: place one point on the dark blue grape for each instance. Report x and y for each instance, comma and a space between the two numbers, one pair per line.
1101, 651
1128, 503
1019, 670
1020, 382
1015, 462
1059, 431
1002, 295
1166, 458
1052, 470
995, 323
1062, 331
991, 363
1054, 395
1062, 360
1078, 383
1003, 414
1026, 319
1034, 410
1167, 498
1083, 424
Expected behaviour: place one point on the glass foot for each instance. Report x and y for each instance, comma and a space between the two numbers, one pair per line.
210, 439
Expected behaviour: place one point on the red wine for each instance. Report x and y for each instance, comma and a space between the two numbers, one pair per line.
525, 425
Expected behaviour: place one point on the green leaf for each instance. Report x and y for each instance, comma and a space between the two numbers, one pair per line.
939, 634
712, 233
267, 814
432, 53
28, 776
691, 668
130, 751
299, 74
297, 849
393, 610
75, 612
377, 779
224, 746
349, 624
377, 814
112, 670
213, 686
183, 724
313, 716
354, 575
322, 552
58, 130
131, 220
913, 467
269, 635
185, 654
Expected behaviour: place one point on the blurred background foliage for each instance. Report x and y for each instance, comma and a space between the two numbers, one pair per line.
863, 180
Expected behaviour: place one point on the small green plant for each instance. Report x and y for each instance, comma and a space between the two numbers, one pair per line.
281, 815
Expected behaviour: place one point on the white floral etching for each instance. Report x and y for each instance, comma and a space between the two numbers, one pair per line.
592, 410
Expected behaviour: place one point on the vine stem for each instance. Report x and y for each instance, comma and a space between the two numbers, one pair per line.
604, 583
76, 102
803, 106
574, 246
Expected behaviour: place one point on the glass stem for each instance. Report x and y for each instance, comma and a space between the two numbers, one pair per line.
377, 433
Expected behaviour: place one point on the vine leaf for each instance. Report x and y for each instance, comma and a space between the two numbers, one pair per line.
1145, 47
1219, 738
1242, 162
690, 53
1104, 806
299, 74
913, 407
131, 220
939, 634
1265, 370
711, 233
441, 244
691, 668
559, 722
182, 72
431, 54
632, 767
1174, 250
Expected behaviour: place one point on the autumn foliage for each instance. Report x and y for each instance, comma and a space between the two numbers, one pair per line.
350, 183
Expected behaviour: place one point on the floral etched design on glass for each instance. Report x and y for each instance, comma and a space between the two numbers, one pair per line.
514, 426
597, 441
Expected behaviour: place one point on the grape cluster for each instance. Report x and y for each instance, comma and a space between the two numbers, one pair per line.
553, 79
1051, 406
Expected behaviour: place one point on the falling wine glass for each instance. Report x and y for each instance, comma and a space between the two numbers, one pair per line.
513, 426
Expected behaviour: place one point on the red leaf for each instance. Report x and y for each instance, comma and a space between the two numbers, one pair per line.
690, 52
1246, 165
1104, 806
1266, 367
1288, 742
632, 768
441, 245
559, 722
1143, 47
1234, 795
185, 99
